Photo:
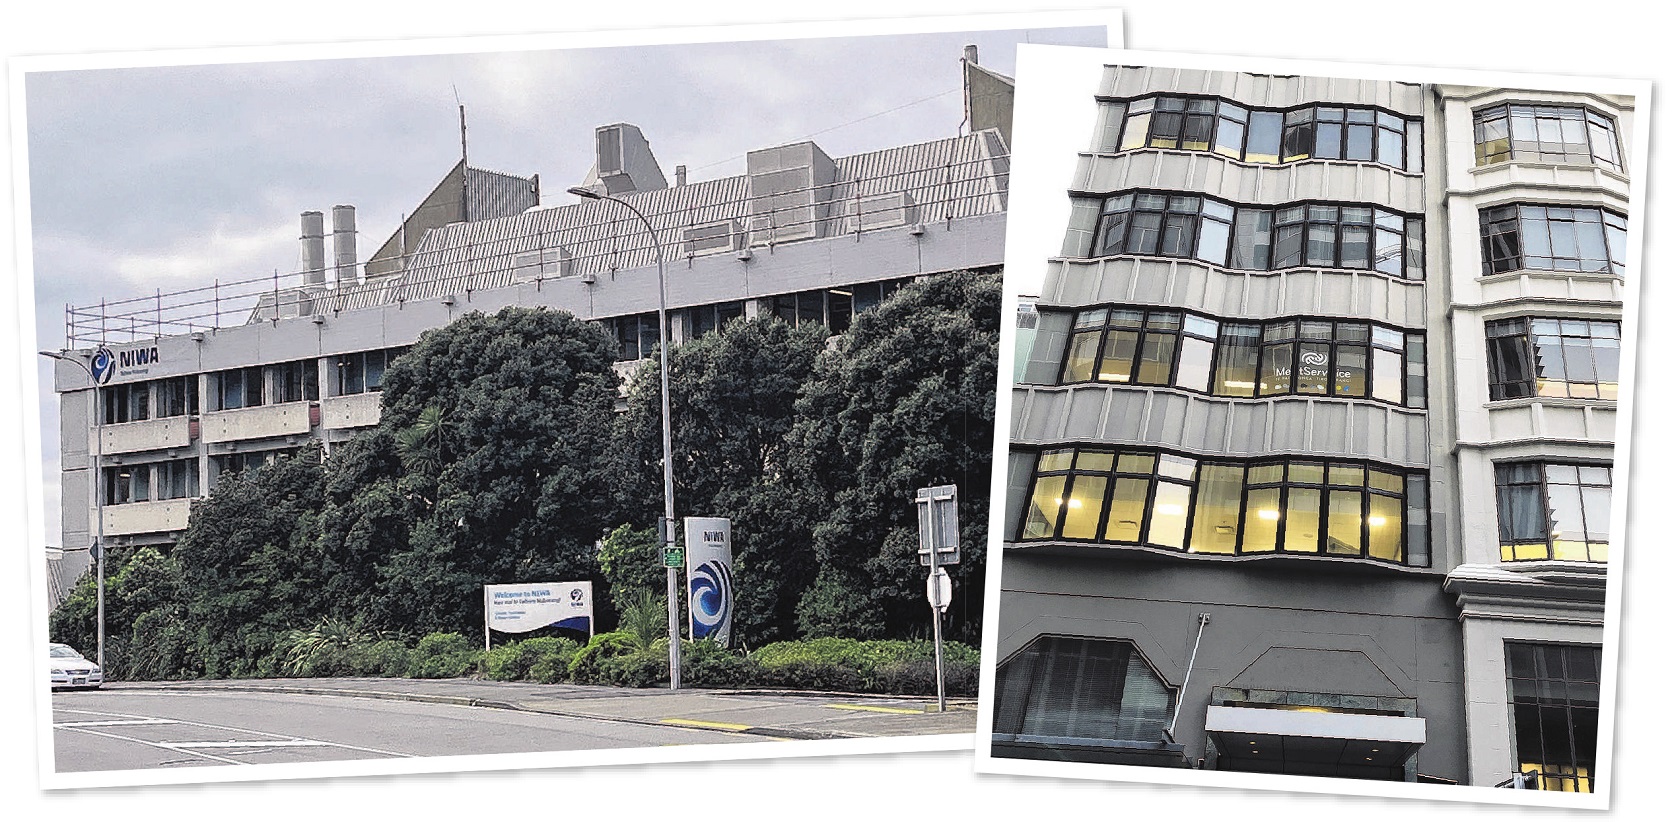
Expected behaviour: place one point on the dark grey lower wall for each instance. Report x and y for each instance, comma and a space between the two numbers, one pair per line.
1283, 626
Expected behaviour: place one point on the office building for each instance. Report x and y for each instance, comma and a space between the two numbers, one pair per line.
1309, 456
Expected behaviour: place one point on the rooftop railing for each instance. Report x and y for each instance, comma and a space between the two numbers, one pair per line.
486, 255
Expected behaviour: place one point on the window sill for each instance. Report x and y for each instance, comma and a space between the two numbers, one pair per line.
1105, 550
1564, 402
1547, 274
1274, 398
1367, 164
1249, 272
1480, 168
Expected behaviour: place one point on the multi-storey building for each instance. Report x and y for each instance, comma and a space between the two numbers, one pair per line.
1309, 456
191, 385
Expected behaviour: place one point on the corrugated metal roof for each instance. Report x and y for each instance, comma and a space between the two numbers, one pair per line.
947, 179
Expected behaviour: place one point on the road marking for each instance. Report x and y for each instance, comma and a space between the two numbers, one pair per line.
109, 722
258, 743
876, 708
700, 723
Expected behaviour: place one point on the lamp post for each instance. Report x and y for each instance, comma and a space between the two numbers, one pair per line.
667, 428
98, 502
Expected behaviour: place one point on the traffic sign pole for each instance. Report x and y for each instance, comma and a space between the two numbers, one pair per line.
939, 585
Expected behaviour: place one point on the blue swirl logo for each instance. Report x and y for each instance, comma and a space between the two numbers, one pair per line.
104, 365
711, 602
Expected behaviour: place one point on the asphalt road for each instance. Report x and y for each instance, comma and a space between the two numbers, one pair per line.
120, 729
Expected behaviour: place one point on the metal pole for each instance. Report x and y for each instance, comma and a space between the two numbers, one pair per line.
934, 610
667, 429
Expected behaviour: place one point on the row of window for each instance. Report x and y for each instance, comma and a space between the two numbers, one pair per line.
1546, 511
151, 399
1294, 506
177, 478
1522, 236
171, 479
1545, 134
1507, 132
1514, 237
1257, 238
834, 308
1067, 690
1263, 136
1549, 357
1134, 346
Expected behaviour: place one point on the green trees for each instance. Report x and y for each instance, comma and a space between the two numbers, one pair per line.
905, 401
501, 456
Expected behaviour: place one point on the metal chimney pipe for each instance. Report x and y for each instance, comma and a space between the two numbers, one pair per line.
343, 243
970, 55
313, 247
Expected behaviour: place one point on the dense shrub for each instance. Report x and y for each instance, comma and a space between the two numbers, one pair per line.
707, 665
385, 657
586, 667
516, 659
889, 666
444, 655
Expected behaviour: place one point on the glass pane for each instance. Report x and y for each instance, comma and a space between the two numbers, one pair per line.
1167, 521
1119, 349
1043, 508
1155, 364
1346, 510
1350, 370
1314, 374
1301, 531
1389, 370
1056, 460
1195, 359
1085, 507
1082, 357
1277, 369
1265, 514
1386, 527
1177, 467
1265, 131
1094, 461
1218, 509
1126, 510
1136, 464
1239, 358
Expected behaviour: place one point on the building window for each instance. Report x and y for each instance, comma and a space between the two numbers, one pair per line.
362, 371
177, 479
1522, 236
176, 396
238, 388
704, 319
1546, 357
1554, 697
127, 483
1351, 133
1250, 238
296, 381
1135, 346
129, 402
833, 307
1067, 688
1182, 503
1545, 134
1553, 511
636, 336
250, 460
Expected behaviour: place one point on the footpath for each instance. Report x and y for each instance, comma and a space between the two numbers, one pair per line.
767, 713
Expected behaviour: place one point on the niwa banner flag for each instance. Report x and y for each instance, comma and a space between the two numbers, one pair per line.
708, 572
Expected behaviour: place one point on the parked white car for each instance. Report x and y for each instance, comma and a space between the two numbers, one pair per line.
71, 670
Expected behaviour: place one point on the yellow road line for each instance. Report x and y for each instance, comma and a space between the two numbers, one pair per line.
700, 723
877, 708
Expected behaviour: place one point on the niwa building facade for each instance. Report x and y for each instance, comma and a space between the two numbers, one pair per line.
192, 385
1309, 464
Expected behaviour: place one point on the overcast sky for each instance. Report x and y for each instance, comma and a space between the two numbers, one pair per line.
172, 177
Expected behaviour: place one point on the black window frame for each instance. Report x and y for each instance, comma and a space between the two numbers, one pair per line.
1128, 218
1168, 120
1535, 539
1334, 475
1554, 695
1596, 129
1514, 353
1505, 232
1412, 351
1032, 675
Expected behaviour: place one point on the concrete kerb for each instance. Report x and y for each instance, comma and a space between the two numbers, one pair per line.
506, 705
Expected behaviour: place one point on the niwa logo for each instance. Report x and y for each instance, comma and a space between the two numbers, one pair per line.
104, 365
107, 363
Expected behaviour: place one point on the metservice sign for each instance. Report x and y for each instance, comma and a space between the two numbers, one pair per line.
521, 608
708, 570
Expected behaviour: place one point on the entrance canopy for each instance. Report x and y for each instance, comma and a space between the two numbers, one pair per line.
1314, 741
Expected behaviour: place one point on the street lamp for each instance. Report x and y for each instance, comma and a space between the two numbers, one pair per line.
667, 428
98, 502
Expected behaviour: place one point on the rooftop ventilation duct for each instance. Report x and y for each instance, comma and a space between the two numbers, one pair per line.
313, 248
343, 243
623, 163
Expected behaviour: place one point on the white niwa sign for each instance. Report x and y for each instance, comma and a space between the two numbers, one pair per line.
517, 609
